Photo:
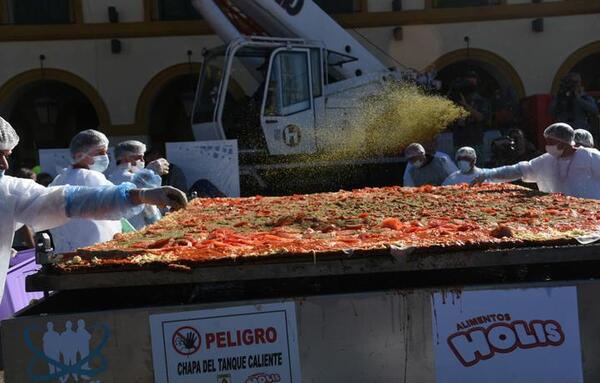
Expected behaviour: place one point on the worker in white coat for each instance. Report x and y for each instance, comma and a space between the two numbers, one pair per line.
425, 168
564, 168
131, 168
430, 148
466, 159
130, 160
24, 202
89, 154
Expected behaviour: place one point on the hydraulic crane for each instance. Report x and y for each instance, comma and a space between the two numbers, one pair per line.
286, 85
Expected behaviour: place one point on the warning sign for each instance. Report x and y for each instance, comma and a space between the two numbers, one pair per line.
186, 340
238, 344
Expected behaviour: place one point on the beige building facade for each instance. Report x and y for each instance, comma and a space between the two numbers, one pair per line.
130, 67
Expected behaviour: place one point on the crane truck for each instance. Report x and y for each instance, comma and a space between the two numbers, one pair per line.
286, 85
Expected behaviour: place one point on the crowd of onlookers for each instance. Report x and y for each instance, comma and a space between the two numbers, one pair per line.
496, 126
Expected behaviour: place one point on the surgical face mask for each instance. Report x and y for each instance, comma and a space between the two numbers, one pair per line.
418, 163
100, 163
2, 173
464, 166
138, 165
554, 151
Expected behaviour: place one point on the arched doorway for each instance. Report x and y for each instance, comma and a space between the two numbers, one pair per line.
166, 103
170, 113
585, 61
47, 108
494, 71
496, 97
46, 115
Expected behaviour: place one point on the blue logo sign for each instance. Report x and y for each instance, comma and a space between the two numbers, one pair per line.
67, 354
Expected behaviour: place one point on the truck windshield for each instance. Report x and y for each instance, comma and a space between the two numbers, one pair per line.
243, 99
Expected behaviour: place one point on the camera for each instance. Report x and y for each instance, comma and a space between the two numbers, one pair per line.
503, 149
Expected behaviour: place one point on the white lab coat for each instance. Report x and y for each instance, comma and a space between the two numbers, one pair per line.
82, 232
459, 177
121, 173
407, 179
150, 214
576, 176
24, 202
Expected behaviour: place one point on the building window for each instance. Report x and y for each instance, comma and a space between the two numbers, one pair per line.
40, 11
337, 6
464, 3
176, 10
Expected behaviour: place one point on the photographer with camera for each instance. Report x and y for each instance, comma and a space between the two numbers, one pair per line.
465, 92
426, 169
572, 105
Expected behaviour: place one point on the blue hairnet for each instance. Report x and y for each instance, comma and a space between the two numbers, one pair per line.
146, 179
110, 202
129, 147
86, 141
560, 132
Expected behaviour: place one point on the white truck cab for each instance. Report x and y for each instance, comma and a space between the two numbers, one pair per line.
286, 83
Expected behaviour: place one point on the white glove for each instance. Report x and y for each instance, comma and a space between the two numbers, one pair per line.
164, 196
160, 166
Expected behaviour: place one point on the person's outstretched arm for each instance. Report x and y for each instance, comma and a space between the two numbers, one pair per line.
44, 208
503, 174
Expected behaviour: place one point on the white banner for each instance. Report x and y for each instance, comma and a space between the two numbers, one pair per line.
246, 344
215, 161
517, 336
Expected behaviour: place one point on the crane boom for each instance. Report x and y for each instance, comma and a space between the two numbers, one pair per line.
287, 19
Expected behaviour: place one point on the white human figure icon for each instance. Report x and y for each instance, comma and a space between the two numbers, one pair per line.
51, 345
82, 337
69, 349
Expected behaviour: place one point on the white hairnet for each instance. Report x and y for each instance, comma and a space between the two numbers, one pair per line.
8, 137
86, 141
414, 150
129, 147
560, 132
584, 138
466, 152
